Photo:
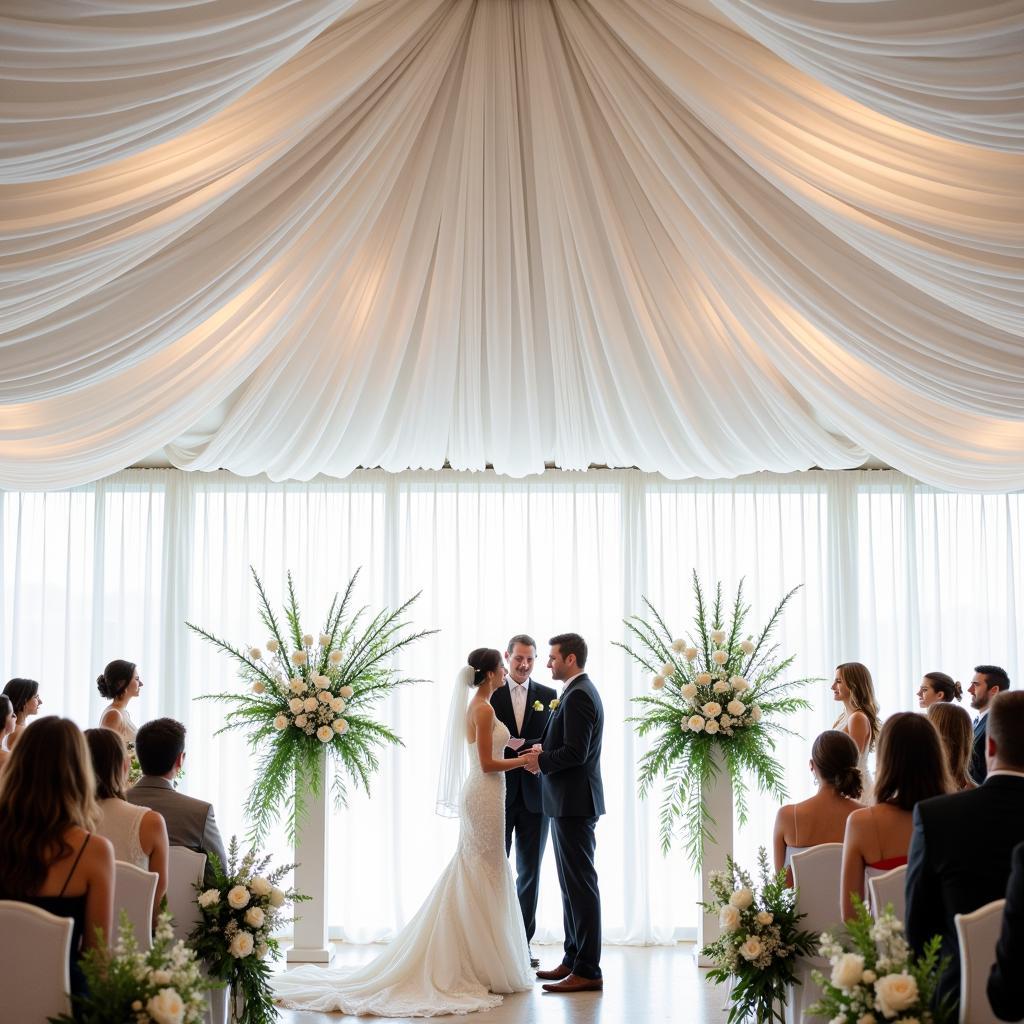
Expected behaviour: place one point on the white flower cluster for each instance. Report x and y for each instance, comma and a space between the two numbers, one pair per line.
309, 700
752, 934
245, 913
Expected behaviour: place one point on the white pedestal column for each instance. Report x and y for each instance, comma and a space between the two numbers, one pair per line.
718, 799
311, 945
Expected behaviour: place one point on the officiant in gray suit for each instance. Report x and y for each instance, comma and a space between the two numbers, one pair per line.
522, 706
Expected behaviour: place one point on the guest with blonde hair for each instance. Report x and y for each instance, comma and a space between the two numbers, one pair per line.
138, 835
956, 730
937, 687
854, 689
49, 855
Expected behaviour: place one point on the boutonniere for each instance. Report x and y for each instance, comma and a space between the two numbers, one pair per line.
554, 704
537, 706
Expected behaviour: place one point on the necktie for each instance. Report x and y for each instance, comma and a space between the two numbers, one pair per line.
519, 705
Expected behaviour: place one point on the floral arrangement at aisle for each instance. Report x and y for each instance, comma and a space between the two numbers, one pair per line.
717, 692
126, 985
309, 695
242, 906
760, 941
879, 980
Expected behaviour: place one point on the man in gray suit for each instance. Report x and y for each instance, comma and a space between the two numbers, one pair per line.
160, 748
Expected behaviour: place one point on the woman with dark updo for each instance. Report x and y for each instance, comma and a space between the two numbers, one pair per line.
119, 683
8, 721
25, 699
936, 688
822, 818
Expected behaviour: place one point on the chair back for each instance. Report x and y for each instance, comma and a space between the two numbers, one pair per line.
134, 892
815, 877
977, 934
35, 949
185, 870
888, 887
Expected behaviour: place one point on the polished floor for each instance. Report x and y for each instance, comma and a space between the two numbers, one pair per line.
649, 984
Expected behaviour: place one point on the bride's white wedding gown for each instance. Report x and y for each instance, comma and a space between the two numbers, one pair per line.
463, 947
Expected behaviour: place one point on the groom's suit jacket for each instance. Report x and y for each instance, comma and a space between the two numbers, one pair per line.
521, 784
979, 766
571, 761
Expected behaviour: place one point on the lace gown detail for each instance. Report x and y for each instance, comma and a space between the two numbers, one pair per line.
462, 949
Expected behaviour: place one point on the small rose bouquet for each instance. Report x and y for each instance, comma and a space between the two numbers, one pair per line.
242, 907
878, 979
760, 941
126, 985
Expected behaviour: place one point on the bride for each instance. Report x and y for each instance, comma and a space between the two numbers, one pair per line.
467, 943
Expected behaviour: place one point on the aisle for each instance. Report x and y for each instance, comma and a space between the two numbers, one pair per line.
644, 985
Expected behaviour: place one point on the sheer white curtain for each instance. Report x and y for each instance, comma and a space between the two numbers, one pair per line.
894, 573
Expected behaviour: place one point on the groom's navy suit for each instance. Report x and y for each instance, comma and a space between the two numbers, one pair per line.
524, 814
573, 795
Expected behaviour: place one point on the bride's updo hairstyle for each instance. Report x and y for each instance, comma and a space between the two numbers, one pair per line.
835, 756
115, 679
482, 661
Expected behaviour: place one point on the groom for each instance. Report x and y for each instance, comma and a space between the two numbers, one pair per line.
569, 762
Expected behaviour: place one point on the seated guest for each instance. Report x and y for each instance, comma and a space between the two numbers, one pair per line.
911, 767
987, 682
937, 687
8, 721
822, 818
49, 856
24, 695
953, 725
960, 852
160, 748
1005, 992
139, 835
119, 683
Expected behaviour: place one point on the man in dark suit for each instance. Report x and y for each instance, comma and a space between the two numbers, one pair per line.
987, 682
961, 844
570, 767
1005, 991
523, 707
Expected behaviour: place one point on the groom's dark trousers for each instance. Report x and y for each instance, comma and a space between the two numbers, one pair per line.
524, 813
574, 799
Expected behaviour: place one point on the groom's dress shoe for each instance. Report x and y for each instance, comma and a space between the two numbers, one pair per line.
561, 971
574, 983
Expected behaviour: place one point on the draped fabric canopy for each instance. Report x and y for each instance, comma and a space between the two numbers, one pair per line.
299, 237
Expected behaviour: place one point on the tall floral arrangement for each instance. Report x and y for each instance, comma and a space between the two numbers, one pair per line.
308, 695
760, 941
127, 985
877, 979
242, 904
718, 692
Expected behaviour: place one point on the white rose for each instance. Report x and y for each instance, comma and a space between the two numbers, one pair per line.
255, 653
281, 722
679, 646
895, 993
735, 708
258, 686
346, 692
741, 899
755, 713
300, 721
299, 658
729, 918
719, 657
747, 646
721, 686
307, 639
166, 1007
273, 646
254, 917
690, 653
765, 917
869, 1018
160, 977
241, 944
668, 669
337, 704
259, 886
751, 949
335, 657
658, 682
703, 678
238, 897
696, 723
340, 726
325, 640
310, 704
210, 898
325, 697
325, 734
297, 685
711, 727
689, 691
717, 636
295, 705
276, 897
739, 684
712, 709
846, 971
868, 977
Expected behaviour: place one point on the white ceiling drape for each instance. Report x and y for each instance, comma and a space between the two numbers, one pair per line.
301, 237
